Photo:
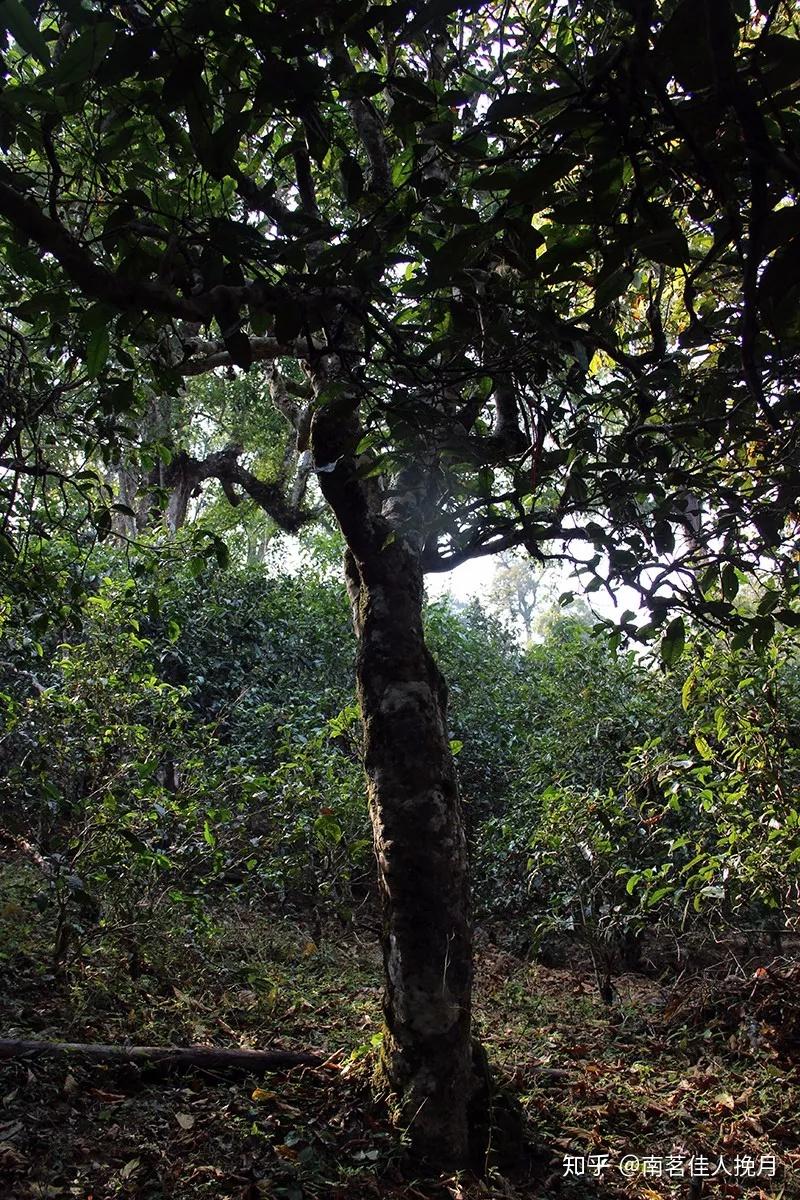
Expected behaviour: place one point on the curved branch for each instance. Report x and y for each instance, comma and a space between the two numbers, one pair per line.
212, 354
224, 466
202, 354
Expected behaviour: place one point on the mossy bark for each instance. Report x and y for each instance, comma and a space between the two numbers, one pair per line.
422, 857
414, 802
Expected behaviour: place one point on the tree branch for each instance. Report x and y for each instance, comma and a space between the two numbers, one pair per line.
102, 284
369, 129
224, 466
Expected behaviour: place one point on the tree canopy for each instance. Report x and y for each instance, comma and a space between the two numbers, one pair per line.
552, 248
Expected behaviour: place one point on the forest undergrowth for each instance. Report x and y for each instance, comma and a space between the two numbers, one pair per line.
699, 1063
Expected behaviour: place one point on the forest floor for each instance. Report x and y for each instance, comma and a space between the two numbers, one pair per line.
684, 1078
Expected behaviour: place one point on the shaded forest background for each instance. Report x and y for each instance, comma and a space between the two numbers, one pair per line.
195, 736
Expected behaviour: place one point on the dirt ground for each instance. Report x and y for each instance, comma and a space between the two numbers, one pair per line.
695, 1087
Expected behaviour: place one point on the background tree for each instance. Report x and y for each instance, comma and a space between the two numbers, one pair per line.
518, 589
528, 278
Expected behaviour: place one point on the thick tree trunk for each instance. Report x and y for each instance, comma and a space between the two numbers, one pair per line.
420, 843
422, 856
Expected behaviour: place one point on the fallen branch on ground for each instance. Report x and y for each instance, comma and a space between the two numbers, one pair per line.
202, 1057
208, 1057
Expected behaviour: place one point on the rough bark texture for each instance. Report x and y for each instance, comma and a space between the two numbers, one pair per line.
422, 857
420, 843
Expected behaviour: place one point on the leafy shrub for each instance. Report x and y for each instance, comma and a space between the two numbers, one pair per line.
580, 708
187, 744
698, 834
729, 793
488, 721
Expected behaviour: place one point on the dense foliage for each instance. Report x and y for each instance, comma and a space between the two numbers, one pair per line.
172, 747
552, 249
198, 737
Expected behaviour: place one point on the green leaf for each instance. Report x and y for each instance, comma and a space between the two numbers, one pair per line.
527, 185
222, 554
118, 399
779, 60
84, 54
403, 168
97, 352
26, 263
7, 548
328, 830
15, 17
730, 581
673, 641
778, 287
689, 685
741, 638
412, 85
762, 634
668, 246
462, 249
611, 286
363, 83
684, 48
520, 104
568, 249
703, 748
